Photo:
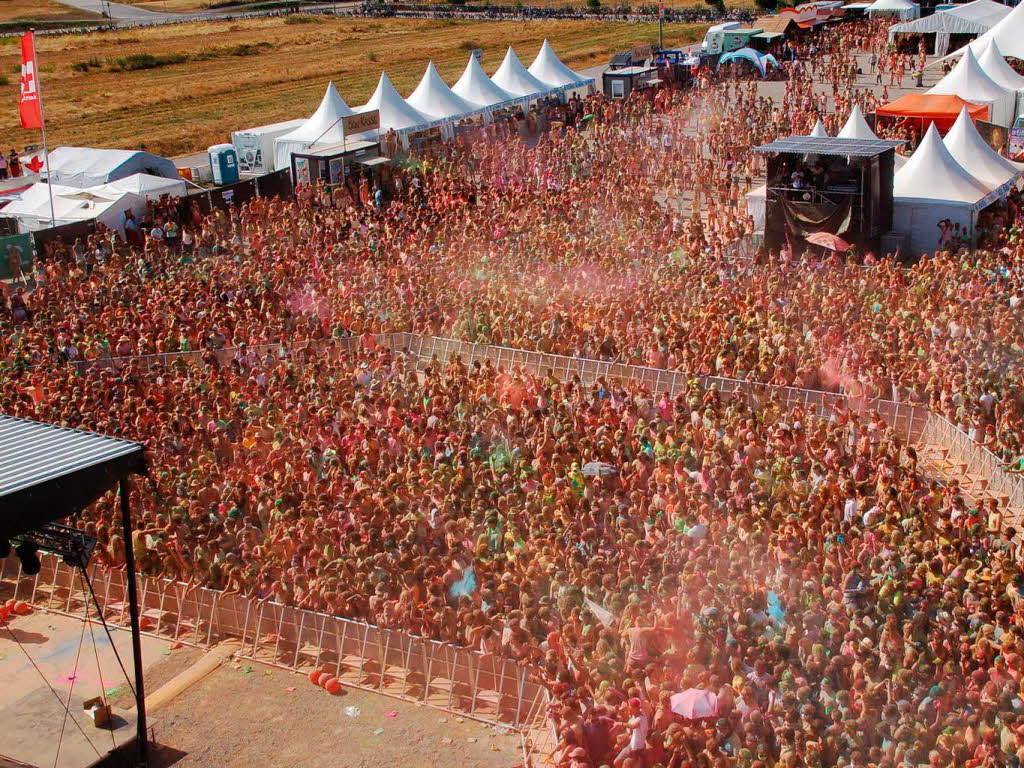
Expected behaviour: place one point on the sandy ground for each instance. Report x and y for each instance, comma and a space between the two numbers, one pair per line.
244, 715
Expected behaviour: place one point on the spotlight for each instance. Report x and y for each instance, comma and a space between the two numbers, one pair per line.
28, 553
5, 548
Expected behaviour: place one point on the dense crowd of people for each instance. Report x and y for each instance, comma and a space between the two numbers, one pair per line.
630, 544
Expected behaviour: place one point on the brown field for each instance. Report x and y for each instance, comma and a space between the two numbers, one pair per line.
279, 74
169, 5
48, 10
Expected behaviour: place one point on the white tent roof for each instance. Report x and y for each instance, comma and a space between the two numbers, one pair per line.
818, 131
477, 87
979, 159
324, 126
932, 174
1008, 34
86, 167
549, 69
970, 18
433, 97
992, 62
70, 204
143, 185
516, 79
893, 6
856, 126
395, 112
969, 81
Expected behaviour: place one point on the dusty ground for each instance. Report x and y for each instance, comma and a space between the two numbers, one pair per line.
243, 715
212, 78
48, 10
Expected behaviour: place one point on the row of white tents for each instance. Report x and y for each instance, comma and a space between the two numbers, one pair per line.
432, 104
946, 178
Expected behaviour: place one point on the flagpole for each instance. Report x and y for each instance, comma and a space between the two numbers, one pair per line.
42, 119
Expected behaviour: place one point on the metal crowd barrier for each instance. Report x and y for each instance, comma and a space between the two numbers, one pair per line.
481, 686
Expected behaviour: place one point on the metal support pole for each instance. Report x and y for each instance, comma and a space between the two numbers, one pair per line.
141, 743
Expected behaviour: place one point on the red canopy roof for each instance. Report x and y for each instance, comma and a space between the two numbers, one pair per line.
933, 106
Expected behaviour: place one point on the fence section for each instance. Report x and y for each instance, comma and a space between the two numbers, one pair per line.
416, 669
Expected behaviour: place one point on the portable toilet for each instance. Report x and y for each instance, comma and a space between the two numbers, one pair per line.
224, 164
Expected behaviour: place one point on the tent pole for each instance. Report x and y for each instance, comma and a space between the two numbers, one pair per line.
141, 743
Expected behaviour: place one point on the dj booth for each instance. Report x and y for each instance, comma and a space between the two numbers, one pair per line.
837, 186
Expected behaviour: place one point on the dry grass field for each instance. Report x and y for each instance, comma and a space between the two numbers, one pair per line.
212, 78
33, 10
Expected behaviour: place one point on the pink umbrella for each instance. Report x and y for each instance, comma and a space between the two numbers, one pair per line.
694, 703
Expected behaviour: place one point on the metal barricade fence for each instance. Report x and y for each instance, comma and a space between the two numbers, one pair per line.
481, 686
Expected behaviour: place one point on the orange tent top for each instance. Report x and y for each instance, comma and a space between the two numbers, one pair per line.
941, 109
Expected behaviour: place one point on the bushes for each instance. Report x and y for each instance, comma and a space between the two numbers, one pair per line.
137, 61
85, 66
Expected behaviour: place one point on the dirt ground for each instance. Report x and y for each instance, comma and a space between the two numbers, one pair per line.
48, 10
244, 715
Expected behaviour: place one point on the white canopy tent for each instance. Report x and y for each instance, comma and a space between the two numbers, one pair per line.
969, 81
145, 186
973, 18
856, 126
903, 9
513, 77
757, 206
86, 167
933, 186
255, 146
70, 205
1008, 34
435, 99
991, 60
979, 159
395, 112
818, 131
475, 86
322, 128
550, 70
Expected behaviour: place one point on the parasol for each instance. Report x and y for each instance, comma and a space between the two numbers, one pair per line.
695, 703
828, 240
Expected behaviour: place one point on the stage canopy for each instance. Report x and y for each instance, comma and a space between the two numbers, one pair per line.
435, 99
974, 18
324, 127
475, 86
86, 167
48, 472
513, 77
979, 159
550, 70
856, 127
1008, 34
942, 110
969, 81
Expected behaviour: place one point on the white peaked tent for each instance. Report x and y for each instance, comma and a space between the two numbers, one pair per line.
324, 127
992, 62
70, 204
477, 87
513, 77
395, 112
930, 187
856, 126
979, 159
550, 70
1008, 34
969, 81
818, 131
433, 97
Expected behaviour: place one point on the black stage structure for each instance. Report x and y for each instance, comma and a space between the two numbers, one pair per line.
49, 473
837, 186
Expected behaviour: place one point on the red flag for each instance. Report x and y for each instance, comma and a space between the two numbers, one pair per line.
29, 105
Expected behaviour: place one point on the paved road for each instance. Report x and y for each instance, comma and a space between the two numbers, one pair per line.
130, 15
